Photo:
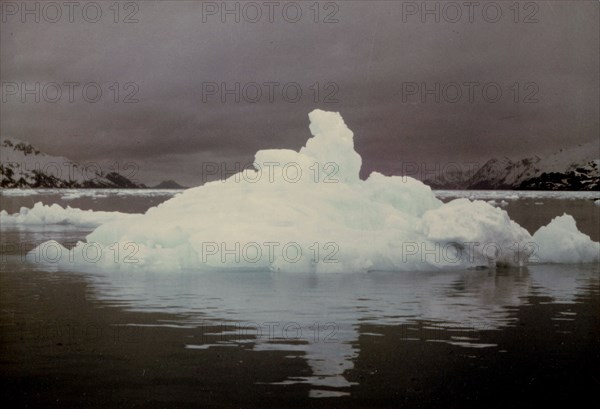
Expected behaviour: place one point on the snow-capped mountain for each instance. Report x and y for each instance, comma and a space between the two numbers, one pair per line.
23, 166
579, 177
576, 168
504, 173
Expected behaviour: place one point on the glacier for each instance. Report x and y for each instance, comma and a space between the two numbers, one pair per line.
308, 211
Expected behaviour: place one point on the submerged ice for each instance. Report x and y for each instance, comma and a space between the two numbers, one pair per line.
310, 211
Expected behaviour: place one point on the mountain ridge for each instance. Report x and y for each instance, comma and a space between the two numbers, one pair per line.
575, 168
24, 166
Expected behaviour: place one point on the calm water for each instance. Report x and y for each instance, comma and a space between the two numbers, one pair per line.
474, 338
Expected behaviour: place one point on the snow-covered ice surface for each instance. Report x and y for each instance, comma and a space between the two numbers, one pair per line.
309, 211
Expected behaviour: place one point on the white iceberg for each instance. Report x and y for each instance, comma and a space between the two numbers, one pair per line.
561, 242
310, 211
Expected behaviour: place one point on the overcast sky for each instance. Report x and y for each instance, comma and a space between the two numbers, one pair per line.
370, 66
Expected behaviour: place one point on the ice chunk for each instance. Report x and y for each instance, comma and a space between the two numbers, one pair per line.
487, 230
41, 214
561, 242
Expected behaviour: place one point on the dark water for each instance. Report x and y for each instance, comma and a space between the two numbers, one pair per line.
519, 337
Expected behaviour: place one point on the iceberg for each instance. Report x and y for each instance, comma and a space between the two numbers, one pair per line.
561, 242
309, 211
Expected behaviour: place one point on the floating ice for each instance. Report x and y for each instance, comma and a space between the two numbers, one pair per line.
309, 211
41, 214
70, 194
561, 242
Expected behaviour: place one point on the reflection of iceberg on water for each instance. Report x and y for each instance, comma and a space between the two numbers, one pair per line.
456, 302
309, 211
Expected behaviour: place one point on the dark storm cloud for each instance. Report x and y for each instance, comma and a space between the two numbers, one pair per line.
368, 54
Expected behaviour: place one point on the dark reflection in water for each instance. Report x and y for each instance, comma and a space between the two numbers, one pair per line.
381, 338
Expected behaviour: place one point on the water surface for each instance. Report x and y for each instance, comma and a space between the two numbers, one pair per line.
470, 338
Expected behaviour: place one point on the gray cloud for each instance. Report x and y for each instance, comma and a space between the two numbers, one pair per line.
369, 54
